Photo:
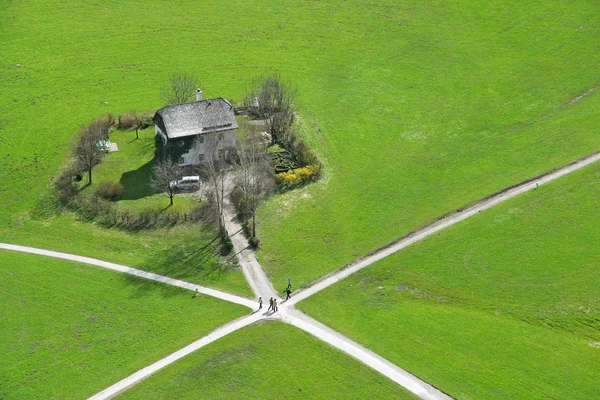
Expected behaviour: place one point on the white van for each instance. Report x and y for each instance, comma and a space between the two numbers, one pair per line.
187, 182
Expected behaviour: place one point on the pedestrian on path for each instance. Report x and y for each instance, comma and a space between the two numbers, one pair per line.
289, 286
288, 292
260, 303
275, 305
270, 305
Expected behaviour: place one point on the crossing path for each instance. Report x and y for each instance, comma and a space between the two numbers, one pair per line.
288, 314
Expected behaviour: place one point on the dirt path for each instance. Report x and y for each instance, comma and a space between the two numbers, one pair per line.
362, 354
437, 226
132, 271
134, 379
255, 275
263, 287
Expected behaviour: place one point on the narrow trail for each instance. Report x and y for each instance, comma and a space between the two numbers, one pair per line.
132, 271
437, 226
132, 380
367, 357
255, 275
288, 314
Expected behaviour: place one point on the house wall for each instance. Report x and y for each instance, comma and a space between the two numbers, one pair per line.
160, 133
219, 142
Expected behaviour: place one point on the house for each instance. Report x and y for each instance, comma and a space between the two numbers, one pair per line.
207, 127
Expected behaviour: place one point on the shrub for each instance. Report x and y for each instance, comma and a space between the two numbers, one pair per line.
107, 119
109, 190
299, 176
66, 184
92, 207
146, 118
254, 242
127, 120
226, 245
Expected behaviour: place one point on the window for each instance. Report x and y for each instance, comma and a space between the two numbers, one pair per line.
200, 157
220, 136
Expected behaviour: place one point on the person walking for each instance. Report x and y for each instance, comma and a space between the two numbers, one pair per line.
270, 305
288, 292
289, 286
275, 305
260, 303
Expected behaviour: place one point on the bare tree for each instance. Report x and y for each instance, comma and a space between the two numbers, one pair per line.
138, 123
180, 89
276, 105
166, 173
213, 169
254, 177
88, 150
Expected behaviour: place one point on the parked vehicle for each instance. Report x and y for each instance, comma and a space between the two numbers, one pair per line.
187, 183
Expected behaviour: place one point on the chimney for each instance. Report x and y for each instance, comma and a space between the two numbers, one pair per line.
198, 94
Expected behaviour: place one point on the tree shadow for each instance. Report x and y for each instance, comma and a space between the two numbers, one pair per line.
193, 262
136, 183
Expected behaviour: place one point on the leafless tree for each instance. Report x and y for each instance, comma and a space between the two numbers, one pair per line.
88, 150
138, 123
213, 169
254, 177
180, 89
165, 173
276, 105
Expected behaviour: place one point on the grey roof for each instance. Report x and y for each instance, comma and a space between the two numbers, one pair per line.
188, 119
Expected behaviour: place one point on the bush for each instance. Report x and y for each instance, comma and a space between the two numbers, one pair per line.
107, 119
109, 190
226, 245
254, 242
147, 119
92, 207
66, 184
127, 120
299, 176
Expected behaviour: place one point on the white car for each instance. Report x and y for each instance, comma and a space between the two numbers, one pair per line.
187, 182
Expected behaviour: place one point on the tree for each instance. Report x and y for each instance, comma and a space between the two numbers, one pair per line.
180, 89
166, 171
138, 123
276, 105
88, 149
216, 179
254, 178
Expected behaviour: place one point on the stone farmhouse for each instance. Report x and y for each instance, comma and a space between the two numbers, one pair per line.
211, 123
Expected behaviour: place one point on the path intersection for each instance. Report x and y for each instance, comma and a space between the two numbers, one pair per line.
263, 287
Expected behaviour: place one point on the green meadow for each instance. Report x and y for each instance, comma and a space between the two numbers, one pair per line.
70, 330
502, 305
416, 108
267, 360
131, 166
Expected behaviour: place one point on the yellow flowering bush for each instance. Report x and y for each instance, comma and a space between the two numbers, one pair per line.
299, 175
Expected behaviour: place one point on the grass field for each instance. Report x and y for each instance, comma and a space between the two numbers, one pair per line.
69, 330
132, 167
267, 361
183, 252
416, 107
502, 305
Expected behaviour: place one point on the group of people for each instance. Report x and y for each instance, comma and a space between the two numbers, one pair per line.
273, 301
